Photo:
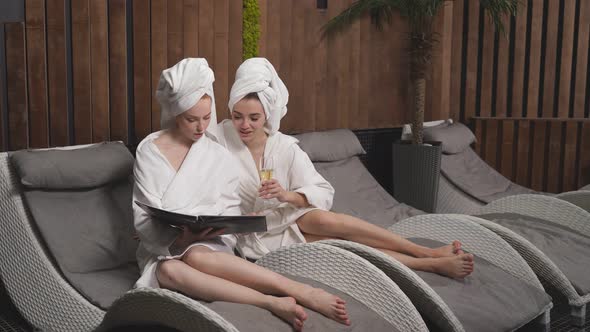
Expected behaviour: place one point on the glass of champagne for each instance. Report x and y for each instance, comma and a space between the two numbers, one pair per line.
265, 171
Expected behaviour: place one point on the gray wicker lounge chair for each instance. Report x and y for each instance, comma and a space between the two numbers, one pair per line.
358, 194
553, 236
55, 291
467, 182
518, 218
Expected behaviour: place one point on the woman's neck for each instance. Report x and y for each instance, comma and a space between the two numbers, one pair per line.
178, 138
258, 142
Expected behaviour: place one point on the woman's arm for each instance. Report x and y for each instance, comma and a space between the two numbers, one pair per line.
273, 189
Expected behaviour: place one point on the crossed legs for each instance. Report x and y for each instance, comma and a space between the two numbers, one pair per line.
217, 276
449, 260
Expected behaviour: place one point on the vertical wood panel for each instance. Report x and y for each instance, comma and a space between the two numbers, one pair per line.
190, 28
99, 70
118, 69
472, 56
538, 159
285, 41
392, 83
502, 83
174, 31
478, 130
548, 93
159, 45
207, 31
235, 44
569, 162
487, 70
16, 77
221, 56
456, 59
142, 88
36, 74
519, 60
296, 80
535, 60
553, 160
57, 72
81, 73
567, 49
491, 144
273, 33
584, 169
365, 79
507, 154
325, 110
354, 83
582, 59
438, 84
263, 6
312, 48
320, 68
523, 157
337, 58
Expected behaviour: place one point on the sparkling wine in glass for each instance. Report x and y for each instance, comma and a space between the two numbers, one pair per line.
265, 170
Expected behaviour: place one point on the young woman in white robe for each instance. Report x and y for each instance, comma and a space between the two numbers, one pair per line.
297, 200
183, 169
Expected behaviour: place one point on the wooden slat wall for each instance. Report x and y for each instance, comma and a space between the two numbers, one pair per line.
356, 80
557, 157
537, 70
111, 53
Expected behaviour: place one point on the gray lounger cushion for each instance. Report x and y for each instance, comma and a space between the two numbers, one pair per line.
89, 167
88, 227
330, 145
489, 299
359, 194
250, 318
472, 175
569, 250
455, 137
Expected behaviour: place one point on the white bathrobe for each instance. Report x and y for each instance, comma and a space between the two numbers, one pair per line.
206, 183
293, 169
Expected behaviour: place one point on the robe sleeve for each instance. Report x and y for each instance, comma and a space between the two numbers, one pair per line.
154, 236
304, 179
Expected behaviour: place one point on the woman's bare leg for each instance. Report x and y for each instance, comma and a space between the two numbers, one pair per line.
456, 266
179, 276
342, 226
242, 272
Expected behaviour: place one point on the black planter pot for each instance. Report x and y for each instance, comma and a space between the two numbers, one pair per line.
416, 172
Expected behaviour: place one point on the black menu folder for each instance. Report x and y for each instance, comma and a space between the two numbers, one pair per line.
231, 224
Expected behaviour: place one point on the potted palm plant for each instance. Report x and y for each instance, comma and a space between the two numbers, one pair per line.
419, 15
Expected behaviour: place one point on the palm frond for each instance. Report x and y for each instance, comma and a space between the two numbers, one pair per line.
496, 9
379, 10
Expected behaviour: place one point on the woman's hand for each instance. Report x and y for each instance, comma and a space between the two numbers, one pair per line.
273, 189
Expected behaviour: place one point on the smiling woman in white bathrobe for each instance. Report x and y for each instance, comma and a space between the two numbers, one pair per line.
183, 169
297, 200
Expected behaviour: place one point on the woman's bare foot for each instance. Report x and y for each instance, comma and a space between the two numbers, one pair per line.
325, 303
458, 266
288, 310
449, 250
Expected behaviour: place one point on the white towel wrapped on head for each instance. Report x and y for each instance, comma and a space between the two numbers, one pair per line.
257, 75
181, 87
